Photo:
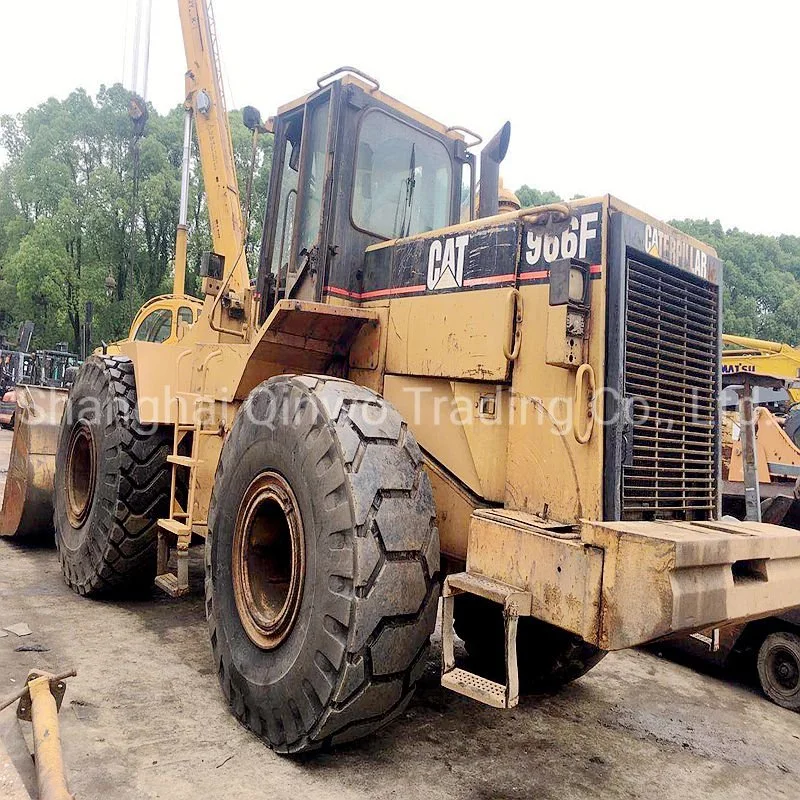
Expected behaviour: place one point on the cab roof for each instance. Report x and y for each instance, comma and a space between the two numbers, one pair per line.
454, 132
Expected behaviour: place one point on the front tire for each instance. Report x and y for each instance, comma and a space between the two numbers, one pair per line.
779, 669
322, 563
111, 485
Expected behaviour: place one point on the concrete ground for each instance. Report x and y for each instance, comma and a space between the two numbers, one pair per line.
145, 718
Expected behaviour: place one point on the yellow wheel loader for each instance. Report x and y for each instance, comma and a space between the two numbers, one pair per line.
518, 410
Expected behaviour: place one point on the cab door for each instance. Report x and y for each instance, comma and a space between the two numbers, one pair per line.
293, 249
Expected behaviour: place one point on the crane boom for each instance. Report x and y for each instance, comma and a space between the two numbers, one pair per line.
205, 98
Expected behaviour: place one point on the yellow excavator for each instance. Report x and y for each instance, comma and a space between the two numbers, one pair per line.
774, 369
516, 413
761, 356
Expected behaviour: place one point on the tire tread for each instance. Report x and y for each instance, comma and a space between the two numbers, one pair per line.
123, 558
400, 586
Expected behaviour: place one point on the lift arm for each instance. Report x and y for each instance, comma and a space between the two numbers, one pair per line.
206, 100
759, 346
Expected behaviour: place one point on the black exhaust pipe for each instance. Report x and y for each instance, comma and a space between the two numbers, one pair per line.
492, 154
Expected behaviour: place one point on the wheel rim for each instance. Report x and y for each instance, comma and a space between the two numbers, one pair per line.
784, 671
80, 473
268, 560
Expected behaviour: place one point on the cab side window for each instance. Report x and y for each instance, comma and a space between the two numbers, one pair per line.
155, 327
288, 201
185, 315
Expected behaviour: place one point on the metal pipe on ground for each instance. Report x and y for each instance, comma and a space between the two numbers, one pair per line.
47, 742
39, 703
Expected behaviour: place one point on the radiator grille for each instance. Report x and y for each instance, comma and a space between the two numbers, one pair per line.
671, 365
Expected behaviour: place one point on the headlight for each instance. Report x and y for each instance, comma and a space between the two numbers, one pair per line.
569, 282
577, 284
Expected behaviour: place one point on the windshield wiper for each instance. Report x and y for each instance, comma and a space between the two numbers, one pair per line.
411, 181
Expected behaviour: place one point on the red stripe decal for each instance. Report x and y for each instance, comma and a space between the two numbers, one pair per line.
342, 292
531, 276
542, 274
396, 290
489, 280
375, 293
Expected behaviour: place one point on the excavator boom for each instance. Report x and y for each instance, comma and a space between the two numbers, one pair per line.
762, 357
761, 346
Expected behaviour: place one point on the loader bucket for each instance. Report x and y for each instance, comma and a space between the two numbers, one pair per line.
28, 497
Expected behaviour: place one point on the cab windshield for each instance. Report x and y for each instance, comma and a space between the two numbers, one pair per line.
403, 179
155, 327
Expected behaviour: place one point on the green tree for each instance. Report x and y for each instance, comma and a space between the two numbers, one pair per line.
535, 197
761, 280
82, 201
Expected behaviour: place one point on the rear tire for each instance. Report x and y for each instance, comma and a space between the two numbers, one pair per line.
320, 622
547, 657
111, 483
779, 669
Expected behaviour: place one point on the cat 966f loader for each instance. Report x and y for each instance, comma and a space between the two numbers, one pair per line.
518, 410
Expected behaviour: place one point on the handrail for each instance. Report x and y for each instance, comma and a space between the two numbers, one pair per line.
462, 129
513, 329
533, 213
583, 403
355, 71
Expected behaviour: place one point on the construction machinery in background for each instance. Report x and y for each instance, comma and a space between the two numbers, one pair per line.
37, 400
162, 319
15, 361
766, 649
777, 418
49, 368
760, 469
33, 408
775, 453
760, 356
519, 409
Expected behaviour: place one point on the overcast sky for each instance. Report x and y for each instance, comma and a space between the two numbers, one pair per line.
684, 109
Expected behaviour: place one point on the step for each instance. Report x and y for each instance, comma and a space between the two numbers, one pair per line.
174, 526
192, 428
515, 603
497, 592
183, 461
475, 687
168, 582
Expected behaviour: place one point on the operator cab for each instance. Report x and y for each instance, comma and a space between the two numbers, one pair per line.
353, 167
